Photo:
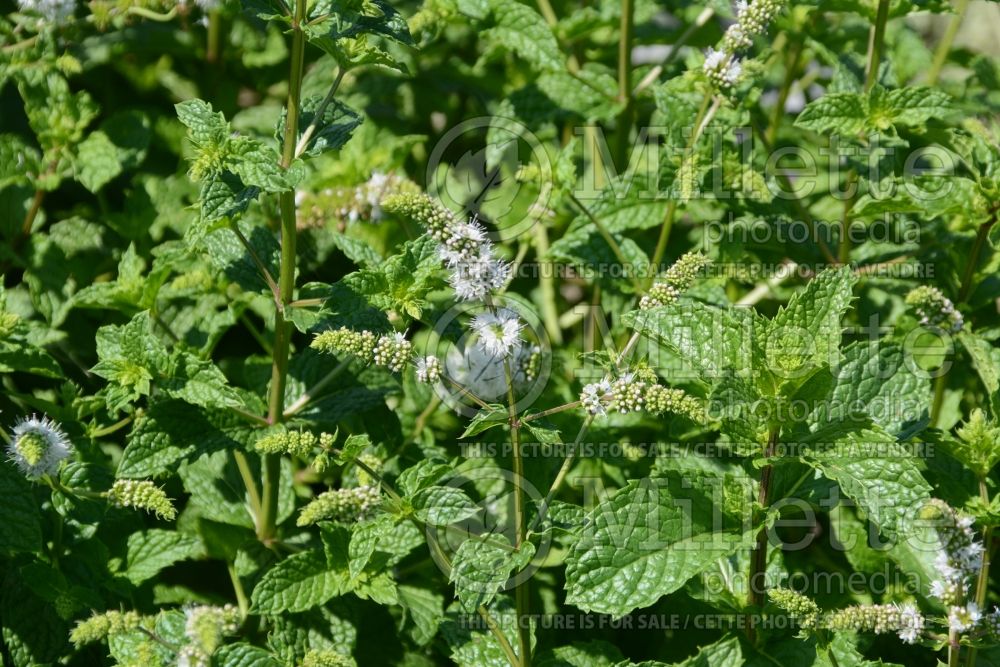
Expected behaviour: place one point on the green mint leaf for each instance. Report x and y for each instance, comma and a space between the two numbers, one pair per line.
443, 505
152, 550
472, 645
170, 431
644, 542
805, 334
245, 655
425, 608
22, 519
523, 30
298, 583
873, 470
482, 565
98, 161
845, 113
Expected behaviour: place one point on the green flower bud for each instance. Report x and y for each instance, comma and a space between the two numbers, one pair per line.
101, 626
326, 658
341, 505
935, 309
322, 462
660, 399
679, 277
797, 605
373, 462
628, 394
343, 340
293, 443
393, 352
143, 495
205, 626
425, 211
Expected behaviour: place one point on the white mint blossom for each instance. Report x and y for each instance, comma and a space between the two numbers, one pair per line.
38, 446
963, 619
428, 369
55, 11
592, 397
498, 332
714, 59
463, 246
911, 623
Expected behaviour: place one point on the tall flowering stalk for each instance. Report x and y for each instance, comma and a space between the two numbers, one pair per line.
723, 66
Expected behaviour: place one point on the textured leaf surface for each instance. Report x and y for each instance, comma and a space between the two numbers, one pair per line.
481, 566
22, 521
874, 471
151, 551
300, 582
523, 30
643, 543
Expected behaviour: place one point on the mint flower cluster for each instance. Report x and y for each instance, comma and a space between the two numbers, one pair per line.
359, 203
798, 606
52, 11
498, 332
935, 309
905, 620
957, 564
390, 351
679, 277
38, 446
428, 369
326, 658
101, 626
462, 245
204, 628
341, 505
629, 393
294, 443
143, 495
723, 66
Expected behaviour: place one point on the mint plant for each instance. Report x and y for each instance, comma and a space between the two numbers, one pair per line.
492, 332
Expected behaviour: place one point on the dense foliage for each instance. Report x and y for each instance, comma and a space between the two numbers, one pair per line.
486, 332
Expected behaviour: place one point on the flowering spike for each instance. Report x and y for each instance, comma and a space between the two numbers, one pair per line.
38, 446
359, 203
293, 443
101, 626
326, 658
904, 620
143, 495
342, 505
424, 210
797, 605
660, 399
428, 369
679, 277
935, 309
360, 344
462, 245
393, 352
205, 626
